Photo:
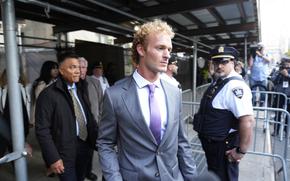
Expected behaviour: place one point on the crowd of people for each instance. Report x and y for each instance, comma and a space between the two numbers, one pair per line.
135, 125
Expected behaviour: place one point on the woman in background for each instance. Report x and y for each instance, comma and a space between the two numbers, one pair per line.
5, 110
48, 75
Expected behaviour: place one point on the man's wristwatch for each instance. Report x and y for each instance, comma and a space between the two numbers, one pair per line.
239, 151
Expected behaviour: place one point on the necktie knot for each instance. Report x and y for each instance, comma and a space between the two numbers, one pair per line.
71, 91
152, 88
219, 80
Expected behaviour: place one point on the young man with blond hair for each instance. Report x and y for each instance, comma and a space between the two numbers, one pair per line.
142, 117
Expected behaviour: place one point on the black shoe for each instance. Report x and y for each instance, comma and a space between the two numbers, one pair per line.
92, 176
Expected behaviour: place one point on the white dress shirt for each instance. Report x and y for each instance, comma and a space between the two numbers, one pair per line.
226, 98
143, 95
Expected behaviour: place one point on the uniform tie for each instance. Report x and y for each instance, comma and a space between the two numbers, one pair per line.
155, 117
83, 133
213, 87
218, 81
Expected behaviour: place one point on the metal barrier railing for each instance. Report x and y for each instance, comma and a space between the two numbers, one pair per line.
13, 156
274, 100
284, 166
263, 143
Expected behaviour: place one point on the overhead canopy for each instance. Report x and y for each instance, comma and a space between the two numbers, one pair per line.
212, 22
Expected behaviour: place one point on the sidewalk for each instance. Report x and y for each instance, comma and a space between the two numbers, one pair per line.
252, 167
36, 167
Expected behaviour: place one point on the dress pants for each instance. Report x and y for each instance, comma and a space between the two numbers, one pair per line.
77, 171
217, 161
279, 102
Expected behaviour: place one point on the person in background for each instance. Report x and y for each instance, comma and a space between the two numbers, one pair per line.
239, 68
172, 69
142, 117
5, 135
94, 91
64, 125
5, 109
259, 67
224, 122
48, 75
98, 73
281, 81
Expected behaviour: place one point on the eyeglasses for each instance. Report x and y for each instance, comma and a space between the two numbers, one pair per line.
220, 61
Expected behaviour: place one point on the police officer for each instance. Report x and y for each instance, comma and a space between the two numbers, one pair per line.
172, 70
225, 120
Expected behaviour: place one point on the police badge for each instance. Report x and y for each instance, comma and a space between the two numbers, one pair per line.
239, 92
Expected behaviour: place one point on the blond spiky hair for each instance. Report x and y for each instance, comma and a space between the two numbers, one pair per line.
142, 33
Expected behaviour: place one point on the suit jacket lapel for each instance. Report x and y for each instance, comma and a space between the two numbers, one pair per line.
131, 101
170, 98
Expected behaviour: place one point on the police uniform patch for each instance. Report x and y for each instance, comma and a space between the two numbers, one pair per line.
239, 92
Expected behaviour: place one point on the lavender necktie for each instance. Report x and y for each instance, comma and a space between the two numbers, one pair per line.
155, 117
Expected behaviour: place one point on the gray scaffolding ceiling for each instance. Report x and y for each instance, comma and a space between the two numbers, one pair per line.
212, 22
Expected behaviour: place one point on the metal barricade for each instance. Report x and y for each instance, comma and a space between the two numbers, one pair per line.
258, 96
273, 100
186, 96
267, 144
263, 145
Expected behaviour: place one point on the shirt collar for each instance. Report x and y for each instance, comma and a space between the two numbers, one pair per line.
233, 73
73, 86
142, 82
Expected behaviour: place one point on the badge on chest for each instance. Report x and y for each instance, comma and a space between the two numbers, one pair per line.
285, 84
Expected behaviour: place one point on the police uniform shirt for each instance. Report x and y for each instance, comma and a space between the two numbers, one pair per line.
235, 96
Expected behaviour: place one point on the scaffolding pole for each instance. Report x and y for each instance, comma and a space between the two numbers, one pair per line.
12, 64
194, 70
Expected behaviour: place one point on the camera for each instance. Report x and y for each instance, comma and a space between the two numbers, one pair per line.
283, 66
255, 48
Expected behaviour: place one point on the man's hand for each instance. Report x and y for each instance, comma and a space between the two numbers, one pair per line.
259, 53
262, 56
57, 167
234, 156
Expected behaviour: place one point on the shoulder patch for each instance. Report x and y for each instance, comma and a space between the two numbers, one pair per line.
239, 92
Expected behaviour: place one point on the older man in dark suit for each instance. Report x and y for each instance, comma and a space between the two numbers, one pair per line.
95, 94
65, 127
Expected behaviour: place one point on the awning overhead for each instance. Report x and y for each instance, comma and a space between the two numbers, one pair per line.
213, 22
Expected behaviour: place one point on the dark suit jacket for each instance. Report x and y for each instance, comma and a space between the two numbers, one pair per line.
55, 123
139, 157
